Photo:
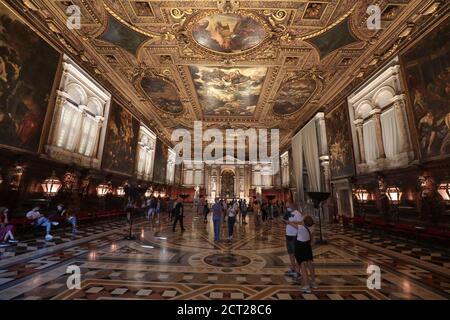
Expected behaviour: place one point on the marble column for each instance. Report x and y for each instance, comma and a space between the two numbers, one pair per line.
359, 132
378, 131
322, 139
399, 107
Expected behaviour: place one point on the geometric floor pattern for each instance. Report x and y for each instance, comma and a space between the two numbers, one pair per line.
161, 264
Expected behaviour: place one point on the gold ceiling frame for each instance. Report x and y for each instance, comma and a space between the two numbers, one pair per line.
153, 35
197, 17
288, 37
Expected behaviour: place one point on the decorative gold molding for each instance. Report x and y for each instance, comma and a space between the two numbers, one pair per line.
288, 37
165, 36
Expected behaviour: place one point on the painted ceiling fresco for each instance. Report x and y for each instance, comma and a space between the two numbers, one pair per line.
162, 94
228, 91
229, 62
228, 33
293, 95
123, 36
335, 38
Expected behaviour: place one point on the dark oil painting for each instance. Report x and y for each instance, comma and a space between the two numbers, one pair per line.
27, 71
160, 166
339, 142
122, 36
121, 141
427, 73
293, 95
162, 94
228, 32
228, 91
337, 37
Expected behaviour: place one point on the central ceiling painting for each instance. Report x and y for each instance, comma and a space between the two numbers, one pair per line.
228, 32
228, 91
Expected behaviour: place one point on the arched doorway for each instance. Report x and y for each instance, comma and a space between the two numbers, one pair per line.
227, 184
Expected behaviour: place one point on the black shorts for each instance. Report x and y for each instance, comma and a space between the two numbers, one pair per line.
290, 244
303, 251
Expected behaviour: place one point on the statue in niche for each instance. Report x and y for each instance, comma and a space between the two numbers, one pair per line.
197, 192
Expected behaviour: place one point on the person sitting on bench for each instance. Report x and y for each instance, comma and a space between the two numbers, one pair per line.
35, 216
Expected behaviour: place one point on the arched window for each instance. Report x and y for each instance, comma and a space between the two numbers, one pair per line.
78, 123
145, 154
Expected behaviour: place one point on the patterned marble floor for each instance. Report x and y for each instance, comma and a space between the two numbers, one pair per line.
162, 264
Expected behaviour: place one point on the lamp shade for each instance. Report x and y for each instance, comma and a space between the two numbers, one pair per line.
361, 194
444, 190
52, 185
120, 191
394, 194
103, 189
149, 192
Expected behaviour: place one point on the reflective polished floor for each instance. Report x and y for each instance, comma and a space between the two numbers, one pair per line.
161, 264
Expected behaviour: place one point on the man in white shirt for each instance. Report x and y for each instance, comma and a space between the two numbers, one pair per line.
291, 215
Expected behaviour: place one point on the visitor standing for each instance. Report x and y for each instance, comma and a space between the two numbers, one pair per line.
179, 214
232, 211
304, 254
205, 211
292, 215
243, 210
217, 218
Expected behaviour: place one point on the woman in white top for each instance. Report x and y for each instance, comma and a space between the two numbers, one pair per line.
304, 254
232, 211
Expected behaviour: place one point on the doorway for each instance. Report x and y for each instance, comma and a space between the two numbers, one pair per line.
227, 184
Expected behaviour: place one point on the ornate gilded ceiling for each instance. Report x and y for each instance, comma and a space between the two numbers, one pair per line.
229, 63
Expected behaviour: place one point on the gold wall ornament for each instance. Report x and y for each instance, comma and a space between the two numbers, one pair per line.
228, 6
30, 5
276, 18
178, 14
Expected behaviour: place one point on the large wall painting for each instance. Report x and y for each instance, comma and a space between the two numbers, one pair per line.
27, 71
228, 32
427, 72
293, 95
163, 94
339, 142
121, 141
160, 167
228, 91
